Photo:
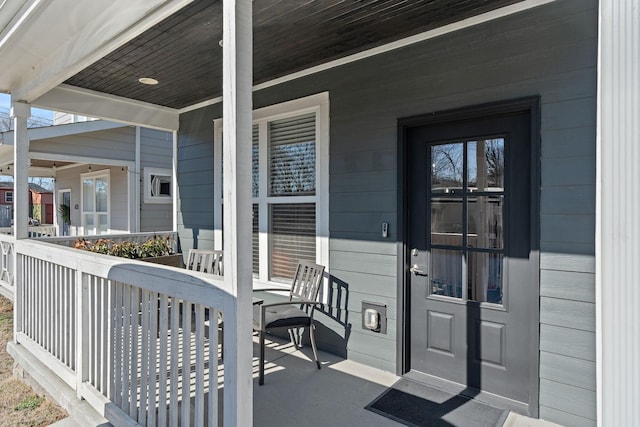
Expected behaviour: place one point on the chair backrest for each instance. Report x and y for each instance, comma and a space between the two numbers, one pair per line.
306, 282
205, 261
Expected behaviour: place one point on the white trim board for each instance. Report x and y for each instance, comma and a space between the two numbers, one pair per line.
75, 100
63, 130
398, 44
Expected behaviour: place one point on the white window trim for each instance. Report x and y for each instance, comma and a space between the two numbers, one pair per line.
148, 198
319, 104
5, 196
96, 174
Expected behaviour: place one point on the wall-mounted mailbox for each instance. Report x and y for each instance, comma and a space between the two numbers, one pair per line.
374, 317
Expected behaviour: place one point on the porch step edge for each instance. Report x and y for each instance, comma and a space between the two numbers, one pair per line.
43, 380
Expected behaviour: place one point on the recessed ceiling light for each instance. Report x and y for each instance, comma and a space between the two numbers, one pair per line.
148, 81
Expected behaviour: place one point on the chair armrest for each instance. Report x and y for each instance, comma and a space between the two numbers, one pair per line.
272, 289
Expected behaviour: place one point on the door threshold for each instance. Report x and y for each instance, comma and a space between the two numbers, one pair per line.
422, 379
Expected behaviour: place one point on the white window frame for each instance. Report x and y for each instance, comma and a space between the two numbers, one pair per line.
319, 104
7, 194
148, 197
106, 173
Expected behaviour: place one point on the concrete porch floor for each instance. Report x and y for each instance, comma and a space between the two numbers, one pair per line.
296, 393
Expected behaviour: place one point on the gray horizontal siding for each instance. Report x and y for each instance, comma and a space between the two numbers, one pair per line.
195, 178
564, 418
568, 399
115, 144
156, 150
549, 51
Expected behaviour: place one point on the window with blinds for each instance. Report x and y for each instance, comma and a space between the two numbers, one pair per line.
287, 147
293, 238
292, 156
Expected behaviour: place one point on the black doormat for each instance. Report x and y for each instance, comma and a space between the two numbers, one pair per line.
444, 410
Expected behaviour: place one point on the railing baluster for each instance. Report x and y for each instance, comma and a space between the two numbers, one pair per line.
117, 346
212, 397
144, 357
153, 349
126, 351
162, 374
186, 362
199, 344
135, 309
175, 360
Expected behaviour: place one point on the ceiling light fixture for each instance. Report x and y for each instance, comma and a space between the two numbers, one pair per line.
148, 81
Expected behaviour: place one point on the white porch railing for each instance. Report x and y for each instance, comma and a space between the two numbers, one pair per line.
132, 338
6, 265
34, 231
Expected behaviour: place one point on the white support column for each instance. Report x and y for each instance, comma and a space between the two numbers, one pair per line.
237, 116
618, 214
174, 183
136, 177
20, 113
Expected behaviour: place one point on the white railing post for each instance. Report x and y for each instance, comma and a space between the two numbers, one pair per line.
82, 330
237, 116
20, 113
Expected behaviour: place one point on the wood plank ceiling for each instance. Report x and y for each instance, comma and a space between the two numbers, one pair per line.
184, 55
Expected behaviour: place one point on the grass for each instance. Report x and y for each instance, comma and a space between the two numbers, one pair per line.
19, 404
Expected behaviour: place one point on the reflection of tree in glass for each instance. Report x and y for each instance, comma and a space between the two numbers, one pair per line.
494, 152
447, 164
293, 168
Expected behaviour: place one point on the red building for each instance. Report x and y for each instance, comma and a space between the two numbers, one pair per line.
40, 203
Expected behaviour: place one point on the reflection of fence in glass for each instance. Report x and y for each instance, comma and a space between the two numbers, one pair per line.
484, 271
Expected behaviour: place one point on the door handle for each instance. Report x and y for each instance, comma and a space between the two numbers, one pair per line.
416, 270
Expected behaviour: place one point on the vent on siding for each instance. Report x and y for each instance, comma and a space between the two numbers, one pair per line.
293, 238
292, 156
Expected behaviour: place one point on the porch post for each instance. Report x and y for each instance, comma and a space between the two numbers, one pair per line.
618, 214
237, 116
20, 112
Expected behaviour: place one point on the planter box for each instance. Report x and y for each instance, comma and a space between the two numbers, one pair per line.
170, 260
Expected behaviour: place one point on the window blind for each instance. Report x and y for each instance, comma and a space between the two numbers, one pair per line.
255, 239
255, 163
292, 156
293, 238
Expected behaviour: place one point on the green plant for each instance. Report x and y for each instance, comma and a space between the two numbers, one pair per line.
65, 213
30, 402
156, 246
153, 247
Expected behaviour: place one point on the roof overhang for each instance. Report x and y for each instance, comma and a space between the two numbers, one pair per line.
103, 48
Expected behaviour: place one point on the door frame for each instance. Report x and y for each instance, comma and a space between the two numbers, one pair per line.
530, 105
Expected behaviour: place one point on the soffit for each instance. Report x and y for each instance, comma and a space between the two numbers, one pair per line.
183, 53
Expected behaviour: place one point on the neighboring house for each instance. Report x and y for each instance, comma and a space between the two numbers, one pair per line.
40, 204
115, 178
467, 170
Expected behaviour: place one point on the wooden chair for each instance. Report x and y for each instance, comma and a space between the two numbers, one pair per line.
208, 261
297, 312
205, 261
